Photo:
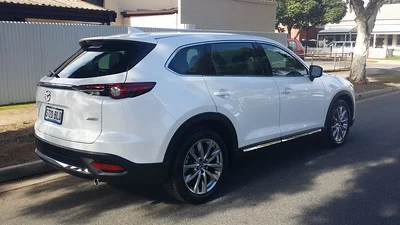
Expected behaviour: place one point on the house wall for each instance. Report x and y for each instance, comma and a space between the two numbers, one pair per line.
130, 5
311, 34
250, 15
159, 21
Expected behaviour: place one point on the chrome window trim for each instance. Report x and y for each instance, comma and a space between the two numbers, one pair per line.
205, 43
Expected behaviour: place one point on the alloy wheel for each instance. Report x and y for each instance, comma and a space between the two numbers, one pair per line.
202, 166
340, 124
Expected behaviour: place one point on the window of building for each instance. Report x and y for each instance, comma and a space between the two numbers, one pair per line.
398, 40
392, 2
389, 40
379, 41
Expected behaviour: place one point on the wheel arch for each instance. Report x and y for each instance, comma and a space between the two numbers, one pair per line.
211, 120
345, 96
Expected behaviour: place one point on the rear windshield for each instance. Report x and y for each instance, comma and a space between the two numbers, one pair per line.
292, 45
102, 58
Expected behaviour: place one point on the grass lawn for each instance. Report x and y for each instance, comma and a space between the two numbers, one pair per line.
394, 58
17, 144
377, 82
16, 106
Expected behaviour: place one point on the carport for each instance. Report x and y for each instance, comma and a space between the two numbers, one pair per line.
336, 34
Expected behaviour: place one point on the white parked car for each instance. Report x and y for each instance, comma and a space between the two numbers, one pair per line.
339, 47
173, 108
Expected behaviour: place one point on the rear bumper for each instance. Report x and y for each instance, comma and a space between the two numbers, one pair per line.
77, 163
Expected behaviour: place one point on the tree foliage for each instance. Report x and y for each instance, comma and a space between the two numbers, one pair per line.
308, 13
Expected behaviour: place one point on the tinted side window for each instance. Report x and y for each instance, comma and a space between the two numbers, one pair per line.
102, 58
239, 59
189, 60
282, 63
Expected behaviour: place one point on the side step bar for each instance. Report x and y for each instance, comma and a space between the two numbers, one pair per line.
281, 140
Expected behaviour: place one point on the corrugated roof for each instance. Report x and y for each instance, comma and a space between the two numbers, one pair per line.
57, 3
337, 30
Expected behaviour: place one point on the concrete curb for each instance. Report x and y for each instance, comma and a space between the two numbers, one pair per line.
24, 170
370, 94
38, 167
336, 70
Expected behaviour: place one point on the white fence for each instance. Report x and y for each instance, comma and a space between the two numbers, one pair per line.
29, 50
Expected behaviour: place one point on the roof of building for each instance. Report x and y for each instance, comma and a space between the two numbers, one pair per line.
341, 30
78, 4
149, 12
69, 10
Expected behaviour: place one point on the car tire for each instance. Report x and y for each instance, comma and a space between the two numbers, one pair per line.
337, 124
196, 176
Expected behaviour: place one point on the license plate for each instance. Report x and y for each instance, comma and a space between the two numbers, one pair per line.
53, 115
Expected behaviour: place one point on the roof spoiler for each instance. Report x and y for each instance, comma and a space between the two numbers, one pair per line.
133, 34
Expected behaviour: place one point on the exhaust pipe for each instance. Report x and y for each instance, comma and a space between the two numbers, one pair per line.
96, 182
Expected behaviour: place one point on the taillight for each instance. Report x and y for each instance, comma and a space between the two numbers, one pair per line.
117, 91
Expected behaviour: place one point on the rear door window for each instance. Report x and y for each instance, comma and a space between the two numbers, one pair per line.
102, 58
235, 59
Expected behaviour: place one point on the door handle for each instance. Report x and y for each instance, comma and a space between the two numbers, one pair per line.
287, 91
222, 93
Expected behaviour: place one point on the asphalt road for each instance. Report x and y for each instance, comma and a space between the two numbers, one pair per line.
294, 183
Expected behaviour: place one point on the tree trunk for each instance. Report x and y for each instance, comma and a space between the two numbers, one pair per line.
365, 20
298, 32
307, 31
358, 67
289, 30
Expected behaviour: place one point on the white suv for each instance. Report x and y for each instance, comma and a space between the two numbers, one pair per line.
174, 108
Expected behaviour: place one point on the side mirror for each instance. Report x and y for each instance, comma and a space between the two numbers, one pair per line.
315, 72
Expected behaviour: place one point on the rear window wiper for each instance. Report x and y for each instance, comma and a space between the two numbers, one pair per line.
53, 74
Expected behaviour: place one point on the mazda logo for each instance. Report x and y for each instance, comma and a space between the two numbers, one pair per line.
47, 96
